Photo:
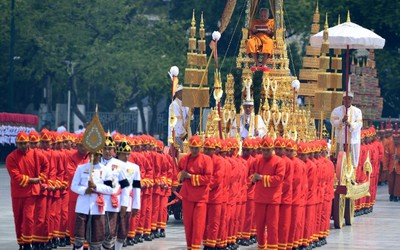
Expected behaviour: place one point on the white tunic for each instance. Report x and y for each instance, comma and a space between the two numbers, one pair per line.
115, 166
86, 203
354, 130
182, 114
244, 132
132, 173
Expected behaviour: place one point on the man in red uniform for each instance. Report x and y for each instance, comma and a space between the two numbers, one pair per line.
195, 173
329, 191
78, 157
311, 197
214, 204
299, 187
24, 166
285, 209
268, 171
40, 231
247, 147
394, 169
388, 156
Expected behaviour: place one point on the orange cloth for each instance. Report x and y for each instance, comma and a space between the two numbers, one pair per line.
260, 42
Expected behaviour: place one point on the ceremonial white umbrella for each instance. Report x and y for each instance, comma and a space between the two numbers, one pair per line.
348, 36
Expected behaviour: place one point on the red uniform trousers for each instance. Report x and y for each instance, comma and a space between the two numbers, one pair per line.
213, 227
195, 222
299, 231
162, 217
394, 184
50, 214
56, 214
327, 217
155, 207
267, 215
242, 218
23, 209
41, 229
64, 215
71, 219
134, 221
295, 213
248, 222
285, 217
145, 215
237, 221
232, 223
318, 215
309, 223
223, 232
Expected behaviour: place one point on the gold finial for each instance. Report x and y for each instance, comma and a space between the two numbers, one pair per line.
202, 21
193, 19
317, 9
97, 108
348, 16
338, 20
326, 21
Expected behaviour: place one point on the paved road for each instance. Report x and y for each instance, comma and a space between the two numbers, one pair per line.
378, 230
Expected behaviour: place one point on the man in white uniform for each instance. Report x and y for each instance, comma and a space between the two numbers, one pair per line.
182, 131
353, 120
90, 210
132, 192
261, 131
113, 201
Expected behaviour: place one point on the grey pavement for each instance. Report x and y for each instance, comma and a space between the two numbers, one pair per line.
375, 231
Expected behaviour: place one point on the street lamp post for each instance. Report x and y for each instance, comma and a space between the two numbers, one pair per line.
12, 48
70, 71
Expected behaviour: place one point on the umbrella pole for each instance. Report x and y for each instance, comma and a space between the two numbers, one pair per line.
347, 94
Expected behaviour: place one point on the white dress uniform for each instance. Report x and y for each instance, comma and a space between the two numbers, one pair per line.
245, 126
353, 132
182, 114
115, 167
132, 173
86, 203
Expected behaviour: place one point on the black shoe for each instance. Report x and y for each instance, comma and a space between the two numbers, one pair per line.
245, 243
68, 241
313, 244
125, 244
48, 245
379, 183
156, 234
129, 241
27, 247
395, 198
391, 198
139, 238
147, 237
318, 243
54, 243
162, 233
62, 242
35, 246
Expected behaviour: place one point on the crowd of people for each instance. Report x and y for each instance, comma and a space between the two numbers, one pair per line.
277, 193
60, 198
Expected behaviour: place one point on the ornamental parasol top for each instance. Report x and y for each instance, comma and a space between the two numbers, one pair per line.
351, 34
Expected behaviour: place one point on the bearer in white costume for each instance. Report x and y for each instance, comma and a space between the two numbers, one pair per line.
182, 131
113, 201
353, 121
90, 204
132, 192
245, 120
